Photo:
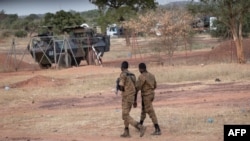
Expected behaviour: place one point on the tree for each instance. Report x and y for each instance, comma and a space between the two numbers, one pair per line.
233, 14
2, 15
31, 23
62, 19
8, 20
91, 16
115, 11
134, 4
173, 26
115, 16
32, 17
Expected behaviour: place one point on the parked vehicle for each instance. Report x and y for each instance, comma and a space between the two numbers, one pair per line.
79, 43
114, 30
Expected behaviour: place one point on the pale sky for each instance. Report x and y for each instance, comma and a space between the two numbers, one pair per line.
26, 7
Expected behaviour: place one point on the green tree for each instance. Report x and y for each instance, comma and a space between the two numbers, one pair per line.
62, 19
233, 14
116, 11
9, 20
115, 16
134, 4
32, 17
91, 16
21, 33
2, 15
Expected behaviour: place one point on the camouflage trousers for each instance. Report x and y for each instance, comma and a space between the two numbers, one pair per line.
147, 108
127, 103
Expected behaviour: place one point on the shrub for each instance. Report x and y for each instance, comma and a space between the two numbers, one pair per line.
6, 34
21, 33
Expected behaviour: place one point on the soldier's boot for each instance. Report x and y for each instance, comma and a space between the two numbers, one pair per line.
126, 133
137, 127
141, 128
157, 130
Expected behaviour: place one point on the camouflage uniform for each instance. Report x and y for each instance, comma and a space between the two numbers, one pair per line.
127, 97
146, 83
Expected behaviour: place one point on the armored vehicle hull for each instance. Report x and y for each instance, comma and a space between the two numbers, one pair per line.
69, 50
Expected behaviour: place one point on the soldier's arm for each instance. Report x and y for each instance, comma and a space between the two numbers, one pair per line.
135, 99
139, 83
155, 85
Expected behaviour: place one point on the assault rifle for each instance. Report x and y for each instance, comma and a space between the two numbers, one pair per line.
117, 85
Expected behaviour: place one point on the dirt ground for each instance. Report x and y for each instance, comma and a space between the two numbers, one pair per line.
53, 104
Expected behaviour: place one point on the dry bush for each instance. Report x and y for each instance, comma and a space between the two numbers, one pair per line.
172, 27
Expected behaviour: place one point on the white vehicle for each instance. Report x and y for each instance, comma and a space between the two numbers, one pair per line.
156, 30
211, 23
113, 30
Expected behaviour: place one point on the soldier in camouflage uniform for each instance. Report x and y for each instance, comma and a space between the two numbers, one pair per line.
146, 83
127, 86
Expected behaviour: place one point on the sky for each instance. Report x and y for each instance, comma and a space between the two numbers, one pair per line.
26, 7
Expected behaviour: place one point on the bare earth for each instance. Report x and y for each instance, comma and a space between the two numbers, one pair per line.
61, 105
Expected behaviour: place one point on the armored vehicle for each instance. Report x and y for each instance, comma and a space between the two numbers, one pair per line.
78, 43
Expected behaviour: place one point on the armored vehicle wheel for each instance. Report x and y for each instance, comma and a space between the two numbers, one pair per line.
76, 62
64, 61
44, 66
91, 57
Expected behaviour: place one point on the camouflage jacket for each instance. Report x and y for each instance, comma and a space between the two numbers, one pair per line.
127, 80
146, 83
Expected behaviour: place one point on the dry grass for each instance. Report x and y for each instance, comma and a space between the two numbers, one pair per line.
82, 84
225, 72
179, 121
189, 121
193, 123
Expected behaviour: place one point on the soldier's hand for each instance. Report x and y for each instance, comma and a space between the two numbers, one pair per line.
135, 104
